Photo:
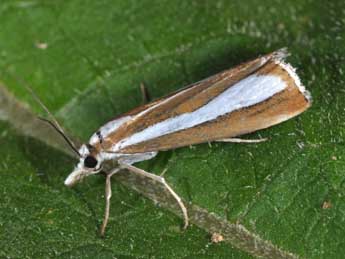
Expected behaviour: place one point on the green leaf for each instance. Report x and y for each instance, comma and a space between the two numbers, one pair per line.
86, 60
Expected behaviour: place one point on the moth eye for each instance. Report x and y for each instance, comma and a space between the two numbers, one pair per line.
90, 162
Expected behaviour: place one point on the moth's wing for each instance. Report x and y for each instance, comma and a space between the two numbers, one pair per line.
249, 66
210, 109
118, 121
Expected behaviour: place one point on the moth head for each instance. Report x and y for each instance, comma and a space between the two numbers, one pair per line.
89, 164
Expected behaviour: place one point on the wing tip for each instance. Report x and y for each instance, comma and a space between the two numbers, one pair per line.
279, 57
281, 54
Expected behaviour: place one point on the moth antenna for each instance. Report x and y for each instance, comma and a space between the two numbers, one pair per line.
53, 122
63, 135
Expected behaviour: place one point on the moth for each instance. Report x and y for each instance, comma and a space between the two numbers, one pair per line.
252, 96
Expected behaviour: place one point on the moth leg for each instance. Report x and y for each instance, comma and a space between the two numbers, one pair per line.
161, 180
107, 199
240, 140
144, 93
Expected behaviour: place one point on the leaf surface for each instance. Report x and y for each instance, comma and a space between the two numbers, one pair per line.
86, 60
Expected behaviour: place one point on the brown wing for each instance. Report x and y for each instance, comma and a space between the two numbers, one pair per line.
245, 69
282, 106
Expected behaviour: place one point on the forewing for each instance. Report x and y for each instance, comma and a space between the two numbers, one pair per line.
255, 95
